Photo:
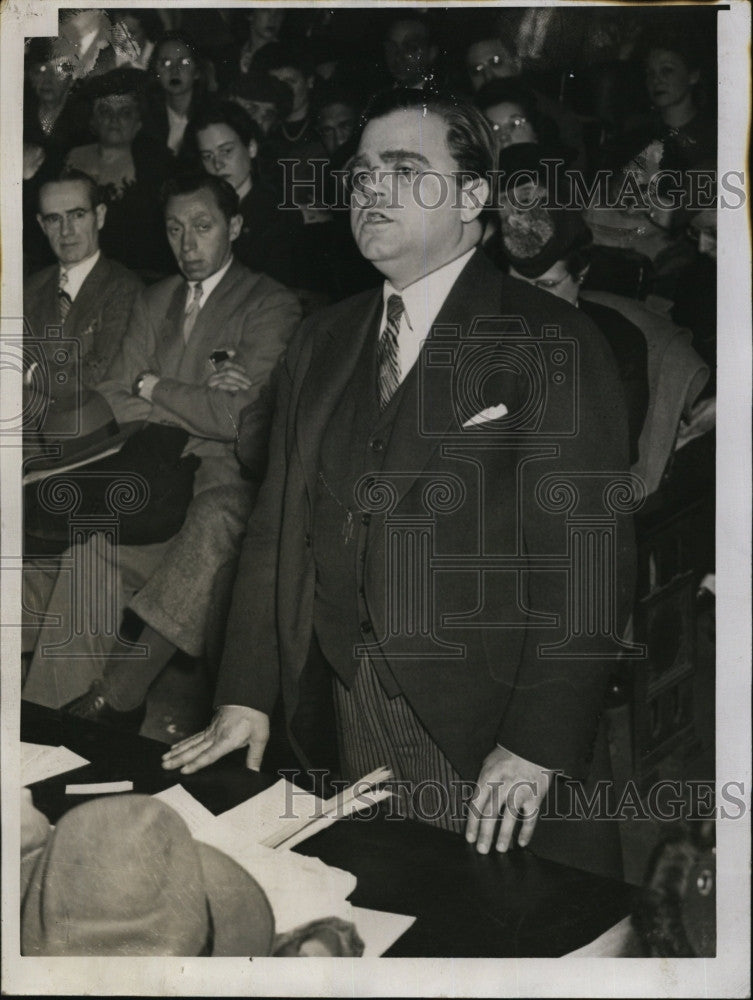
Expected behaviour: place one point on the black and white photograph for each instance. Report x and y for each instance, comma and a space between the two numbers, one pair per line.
375, 478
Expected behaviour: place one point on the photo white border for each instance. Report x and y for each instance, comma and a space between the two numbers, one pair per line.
727, 975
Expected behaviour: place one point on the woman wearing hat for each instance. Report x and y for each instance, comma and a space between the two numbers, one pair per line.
130, 168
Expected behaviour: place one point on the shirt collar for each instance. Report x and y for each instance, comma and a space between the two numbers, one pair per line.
209, 284
424, 298
244, 188
78, 273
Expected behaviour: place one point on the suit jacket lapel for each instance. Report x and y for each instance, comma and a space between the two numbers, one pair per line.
169, 347
427, 408
329, 372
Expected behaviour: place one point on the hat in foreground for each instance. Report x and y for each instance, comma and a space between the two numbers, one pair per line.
123, 876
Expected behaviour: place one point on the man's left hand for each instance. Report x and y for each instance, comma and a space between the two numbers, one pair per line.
510, 783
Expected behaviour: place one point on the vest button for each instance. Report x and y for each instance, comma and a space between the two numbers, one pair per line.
365, 626
361, 592
377, 444
307, 539
366, 519
362, 557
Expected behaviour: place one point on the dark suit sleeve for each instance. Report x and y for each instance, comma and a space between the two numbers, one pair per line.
136, 354
553, 713
215, 413
116, 314
250, 669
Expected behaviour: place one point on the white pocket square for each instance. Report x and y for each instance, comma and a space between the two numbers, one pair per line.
490, 413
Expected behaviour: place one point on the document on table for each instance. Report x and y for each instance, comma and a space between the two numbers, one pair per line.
379, 930
193, 813
39, 761
299, 888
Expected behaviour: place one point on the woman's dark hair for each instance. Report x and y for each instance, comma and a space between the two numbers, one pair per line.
469, 136
123, 81
685, 44
231, 114
189, 182
174, 36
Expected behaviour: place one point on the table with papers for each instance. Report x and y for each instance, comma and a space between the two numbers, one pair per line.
410, 889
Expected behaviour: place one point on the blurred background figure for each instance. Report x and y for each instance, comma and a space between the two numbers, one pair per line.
410, 51
135, 32
180, 89
130, 167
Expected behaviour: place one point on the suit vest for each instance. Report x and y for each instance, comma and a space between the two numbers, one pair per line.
354, 444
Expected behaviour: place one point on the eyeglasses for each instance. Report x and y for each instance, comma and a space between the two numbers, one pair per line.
357, 179
495, 60
517, 122
185, 63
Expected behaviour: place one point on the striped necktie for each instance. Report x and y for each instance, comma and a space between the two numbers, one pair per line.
189, 320
64, 300
388, 352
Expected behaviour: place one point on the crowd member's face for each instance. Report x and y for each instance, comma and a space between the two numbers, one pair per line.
509, 123
336, 123
224, 155
52, 80
199, 234
265, 24
116, 119
668, 79
176, 67
408, 52
70, 221
264, 113
404, 221
298, 82
489, 60
557, 280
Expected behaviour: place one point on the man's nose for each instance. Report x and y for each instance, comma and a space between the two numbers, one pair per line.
188, 240
218, 162
66, 226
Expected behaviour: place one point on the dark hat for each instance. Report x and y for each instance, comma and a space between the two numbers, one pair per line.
123, 876
535, 238
123, 80
264, 88
75, 428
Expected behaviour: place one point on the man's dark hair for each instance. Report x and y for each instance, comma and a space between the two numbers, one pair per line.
334, 93
469, 136
93, 189
230, 114
263, 88
190, 182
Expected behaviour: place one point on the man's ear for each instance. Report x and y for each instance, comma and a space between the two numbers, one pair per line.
100, 211
474, 196
234, 227
253, 149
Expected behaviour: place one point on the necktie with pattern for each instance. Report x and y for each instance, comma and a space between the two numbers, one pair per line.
189, 320
388, 352
64, 300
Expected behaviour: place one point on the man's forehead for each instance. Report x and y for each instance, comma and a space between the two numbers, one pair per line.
64, 195
201, 202
415, 129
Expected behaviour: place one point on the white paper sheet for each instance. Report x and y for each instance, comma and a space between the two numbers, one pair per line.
99, 788
379, 930
195, 815
39, 762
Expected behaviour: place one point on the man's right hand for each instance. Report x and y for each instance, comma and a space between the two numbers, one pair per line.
233, 726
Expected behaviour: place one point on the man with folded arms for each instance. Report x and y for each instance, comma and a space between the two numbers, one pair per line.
375, 426
199, 352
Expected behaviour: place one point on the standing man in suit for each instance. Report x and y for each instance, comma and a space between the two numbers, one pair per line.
372, 429
199, 350
86, 294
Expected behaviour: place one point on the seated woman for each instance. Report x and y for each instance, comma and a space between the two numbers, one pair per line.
512, 111
130, 168
679, 136
179, 93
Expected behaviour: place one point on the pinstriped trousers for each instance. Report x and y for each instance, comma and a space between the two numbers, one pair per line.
375, 730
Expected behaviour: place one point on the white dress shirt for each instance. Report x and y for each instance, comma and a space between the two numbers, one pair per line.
77, 274
208, 285
422, 300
